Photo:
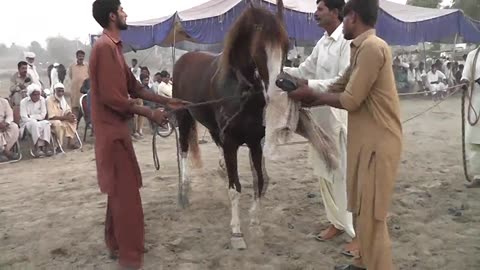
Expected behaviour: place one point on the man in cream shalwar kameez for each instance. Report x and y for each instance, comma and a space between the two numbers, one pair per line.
330, 57
33, 111
77, 73
471, 73
374, 142
8, 132
61, 117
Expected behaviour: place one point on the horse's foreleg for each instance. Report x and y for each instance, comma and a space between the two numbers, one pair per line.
260, 181
185, 124
230, 150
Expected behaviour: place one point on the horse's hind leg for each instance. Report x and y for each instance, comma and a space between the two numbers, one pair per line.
260, 181
230, 150
186, 124
222, 170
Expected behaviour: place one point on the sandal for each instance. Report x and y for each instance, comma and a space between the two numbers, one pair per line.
328, 234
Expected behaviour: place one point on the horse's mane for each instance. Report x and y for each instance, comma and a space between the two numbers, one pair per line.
238, 46
62, 73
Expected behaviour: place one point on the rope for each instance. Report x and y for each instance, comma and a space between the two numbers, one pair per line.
464, 152
156, 161
434, 105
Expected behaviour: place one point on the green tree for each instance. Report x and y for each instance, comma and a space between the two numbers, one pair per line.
3, 49
426, 3
470, 7
39, 51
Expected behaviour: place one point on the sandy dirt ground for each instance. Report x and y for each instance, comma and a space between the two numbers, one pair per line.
52, 213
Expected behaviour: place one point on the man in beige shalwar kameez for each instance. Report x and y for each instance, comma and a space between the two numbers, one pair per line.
374, 138
8, 132
60, 115
77, 74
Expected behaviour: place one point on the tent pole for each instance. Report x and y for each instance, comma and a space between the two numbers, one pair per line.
173, 45
424, 55
454, 46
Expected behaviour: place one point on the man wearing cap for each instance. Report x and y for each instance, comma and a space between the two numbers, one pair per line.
61, 117
33, 111
32, 70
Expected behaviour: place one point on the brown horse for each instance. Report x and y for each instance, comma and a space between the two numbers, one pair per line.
253, 55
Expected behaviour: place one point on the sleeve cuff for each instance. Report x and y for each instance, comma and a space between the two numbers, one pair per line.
347, 101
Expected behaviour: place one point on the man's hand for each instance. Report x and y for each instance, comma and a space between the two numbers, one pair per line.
3, 126
303, 94
70, 117
176, 104
159, 116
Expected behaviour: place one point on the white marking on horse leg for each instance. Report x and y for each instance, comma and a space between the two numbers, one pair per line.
237, 236
234, 200
184, 184
255, 212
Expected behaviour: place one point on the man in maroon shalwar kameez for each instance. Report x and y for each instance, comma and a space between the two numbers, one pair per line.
112, 83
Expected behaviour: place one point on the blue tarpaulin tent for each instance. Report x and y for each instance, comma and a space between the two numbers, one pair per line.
208, 23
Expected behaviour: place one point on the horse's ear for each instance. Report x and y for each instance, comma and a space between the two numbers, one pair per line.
280, 8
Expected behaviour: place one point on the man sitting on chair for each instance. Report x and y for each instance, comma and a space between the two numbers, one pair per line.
61, 116
33, 111
8, 132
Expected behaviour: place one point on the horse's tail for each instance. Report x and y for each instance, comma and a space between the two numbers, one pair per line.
193, 147
280, 10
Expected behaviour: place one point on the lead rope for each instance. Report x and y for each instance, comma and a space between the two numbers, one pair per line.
465, 95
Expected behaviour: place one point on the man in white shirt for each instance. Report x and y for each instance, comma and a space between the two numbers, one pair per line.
411, 76
471, 77
436, 82
329, 59
162, 85
32, 70
136, 69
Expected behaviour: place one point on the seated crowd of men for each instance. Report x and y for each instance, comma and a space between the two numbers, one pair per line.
30, 112
442, 75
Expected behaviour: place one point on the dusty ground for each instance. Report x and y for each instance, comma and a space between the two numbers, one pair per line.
51, 211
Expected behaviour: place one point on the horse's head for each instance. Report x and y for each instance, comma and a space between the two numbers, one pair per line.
257, 42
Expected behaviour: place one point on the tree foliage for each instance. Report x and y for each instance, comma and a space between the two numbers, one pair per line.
470, 7
425, 3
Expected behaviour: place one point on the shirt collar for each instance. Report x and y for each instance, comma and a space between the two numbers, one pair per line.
336, 34
361, 38
116, 39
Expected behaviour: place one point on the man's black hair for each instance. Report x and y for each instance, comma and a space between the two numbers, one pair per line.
164, 74
334, 4
101, 10
134, 60
21, 63
158, 74
367, 10
79, 52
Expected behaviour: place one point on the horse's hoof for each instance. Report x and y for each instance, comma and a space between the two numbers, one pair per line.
256, 230
238, 243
